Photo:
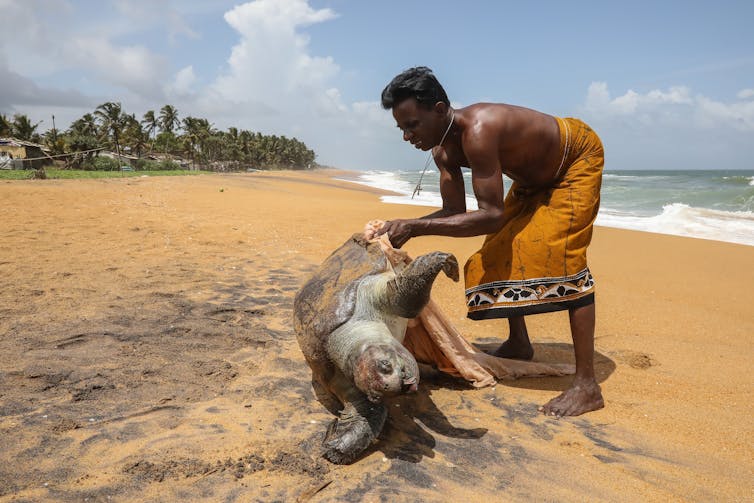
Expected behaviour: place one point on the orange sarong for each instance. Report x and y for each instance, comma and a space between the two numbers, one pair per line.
537, 262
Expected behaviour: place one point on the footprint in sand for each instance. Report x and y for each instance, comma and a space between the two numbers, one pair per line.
635, 359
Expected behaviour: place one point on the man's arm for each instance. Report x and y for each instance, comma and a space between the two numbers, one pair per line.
452, 191
453, 220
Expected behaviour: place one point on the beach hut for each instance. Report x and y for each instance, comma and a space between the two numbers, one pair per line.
21, 154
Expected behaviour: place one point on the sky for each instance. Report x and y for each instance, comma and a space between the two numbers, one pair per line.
666, 84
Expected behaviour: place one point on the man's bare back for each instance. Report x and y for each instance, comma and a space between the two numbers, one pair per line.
527, 141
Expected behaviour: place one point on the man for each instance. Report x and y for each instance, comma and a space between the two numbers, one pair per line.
534, 256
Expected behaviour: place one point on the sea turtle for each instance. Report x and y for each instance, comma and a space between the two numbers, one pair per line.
350, 319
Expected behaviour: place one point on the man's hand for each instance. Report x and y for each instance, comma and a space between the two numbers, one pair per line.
399, 231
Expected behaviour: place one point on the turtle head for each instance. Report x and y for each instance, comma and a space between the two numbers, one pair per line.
386, 370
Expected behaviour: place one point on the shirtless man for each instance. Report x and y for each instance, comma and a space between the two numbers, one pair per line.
534, 256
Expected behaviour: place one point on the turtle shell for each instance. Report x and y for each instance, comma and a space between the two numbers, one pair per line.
328, 299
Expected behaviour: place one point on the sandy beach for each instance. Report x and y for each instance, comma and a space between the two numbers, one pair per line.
147, 354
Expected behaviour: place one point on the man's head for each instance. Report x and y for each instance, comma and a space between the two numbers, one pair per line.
418, 83
420, 106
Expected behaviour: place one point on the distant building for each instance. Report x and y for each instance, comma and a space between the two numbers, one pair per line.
123, 157
6, 160
14, 154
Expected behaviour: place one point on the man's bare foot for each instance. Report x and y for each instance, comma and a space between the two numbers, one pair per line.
583, 396
514, 350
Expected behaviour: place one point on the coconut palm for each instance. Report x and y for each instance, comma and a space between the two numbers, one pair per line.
190, 137
5, 126
111, 121
23, 129
197, 132
167, 142
150, 123
110, 125
134, 135
169, 120
54, 141
81, 137
231, 147
86, 125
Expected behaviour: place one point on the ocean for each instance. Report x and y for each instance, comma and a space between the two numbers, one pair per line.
710, 204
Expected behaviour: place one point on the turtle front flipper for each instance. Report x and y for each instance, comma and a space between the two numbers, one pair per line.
349, 435
358, 425
408, 292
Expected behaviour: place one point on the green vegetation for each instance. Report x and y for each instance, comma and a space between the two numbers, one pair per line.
159, 141
20, 127
26, 174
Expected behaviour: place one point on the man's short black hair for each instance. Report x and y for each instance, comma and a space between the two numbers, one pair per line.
418, 83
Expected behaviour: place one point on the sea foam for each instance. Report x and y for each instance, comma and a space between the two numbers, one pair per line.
682, 220
677, 219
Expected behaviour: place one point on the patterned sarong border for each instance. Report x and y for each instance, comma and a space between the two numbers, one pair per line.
503, 299
512, 312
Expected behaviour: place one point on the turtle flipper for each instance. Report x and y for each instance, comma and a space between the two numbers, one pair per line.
408, 292
356, 429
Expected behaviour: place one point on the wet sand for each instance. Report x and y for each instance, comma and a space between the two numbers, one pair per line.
146, 354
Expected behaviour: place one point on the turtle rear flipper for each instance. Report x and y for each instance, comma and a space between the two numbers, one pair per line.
349, 435
408, 292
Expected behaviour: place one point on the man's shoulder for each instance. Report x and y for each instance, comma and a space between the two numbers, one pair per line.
484, 122
486, 115
489, 105
489, 121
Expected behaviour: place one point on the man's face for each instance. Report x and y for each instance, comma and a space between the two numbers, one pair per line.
420, 125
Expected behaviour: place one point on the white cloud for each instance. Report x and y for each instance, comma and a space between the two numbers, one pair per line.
599, 100
676, 106
178, 26
671, 129
160, 13
271, 63
43, 37
28, 35
714, 114
745, 94
183, 82
134, 67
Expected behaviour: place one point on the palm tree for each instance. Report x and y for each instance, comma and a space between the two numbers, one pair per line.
23, 129
212, 148
206, 133
231, 146
169, 118
54, 141
197, 132
134, 135
111, 120
85, 126
5, 126
151, 123
199, 140
168, 121
190, 136
82, 136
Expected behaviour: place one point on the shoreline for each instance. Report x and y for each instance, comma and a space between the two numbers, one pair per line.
675, 219
147, 352
352, 177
